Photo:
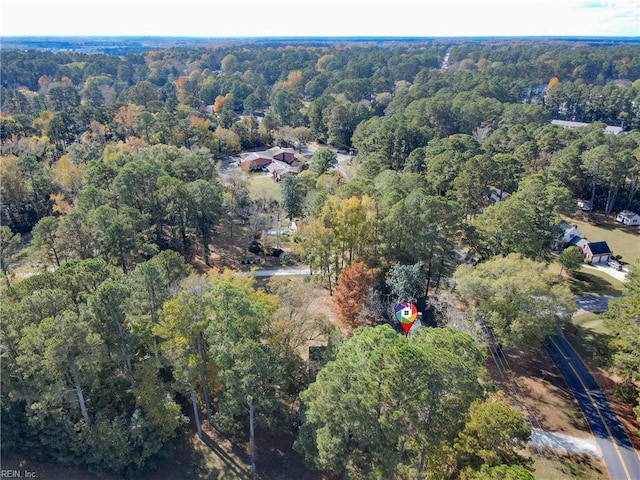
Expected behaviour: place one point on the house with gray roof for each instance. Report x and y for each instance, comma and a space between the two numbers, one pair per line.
571, 125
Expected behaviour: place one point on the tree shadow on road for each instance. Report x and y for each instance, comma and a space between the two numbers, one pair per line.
592, 346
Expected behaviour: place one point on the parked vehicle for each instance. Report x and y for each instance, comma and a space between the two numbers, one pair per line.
585, 205
614, 264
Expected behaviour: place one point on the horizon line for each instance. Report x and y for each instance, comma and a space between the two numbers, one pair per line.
314, 37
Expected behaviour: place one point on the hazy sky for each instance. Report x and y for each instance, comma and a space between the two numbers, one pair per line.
233, 18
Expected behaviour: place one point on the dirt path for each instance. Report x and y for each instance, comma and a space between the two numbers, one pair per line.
278, 271
564, 443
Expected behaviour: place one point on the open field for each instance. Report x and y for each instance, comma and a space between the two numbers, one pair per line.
592, 281
263, 187
623, 241
591, 321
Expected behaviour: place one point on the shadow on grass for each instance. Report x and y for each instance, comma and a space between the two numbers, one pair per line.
591, 345
582, 282
230, 462
277, 460
203, 459
552, 464
599, 220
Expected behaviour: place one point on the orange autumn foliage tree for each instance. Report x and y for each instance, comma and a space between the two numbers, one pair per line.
554, 81
218, 104
350, 295
294, 79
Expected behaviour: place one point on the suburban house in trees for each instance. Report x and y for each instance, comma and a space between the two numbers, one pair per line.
253, 161
594, 252
628, 218
567, 235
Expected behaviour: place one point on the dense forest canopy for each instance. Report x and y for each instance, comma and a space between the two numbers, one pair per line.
111, 170
393, 100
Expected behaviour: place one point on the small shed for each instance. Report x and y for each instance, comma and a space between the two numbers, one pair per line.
628, 218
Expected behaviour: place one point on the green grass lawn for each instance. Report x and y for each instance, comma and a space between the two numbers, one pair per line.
588, 281
589, 334
591, 281
263, 187
591, 321
623, 241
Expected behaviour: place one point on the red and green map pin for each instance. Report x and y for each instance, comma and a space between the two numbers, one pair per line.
406, 313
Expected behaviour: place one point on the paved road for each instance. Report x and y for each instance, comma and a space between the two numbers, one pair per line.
594, 303
445, 61
619, 455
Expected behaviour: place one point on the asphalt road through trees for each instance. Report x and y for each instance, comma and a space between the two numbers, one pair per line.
619, 455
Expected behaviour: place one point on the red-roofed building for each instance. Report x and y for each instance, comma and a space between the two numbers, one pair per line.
252, 161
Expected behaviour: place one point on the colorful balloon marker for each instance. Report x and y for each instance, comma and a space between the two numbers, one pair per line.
406, 313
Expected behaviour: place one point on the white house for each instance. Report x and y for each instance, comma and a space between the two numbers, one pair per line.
628, 218
568, 232
610, 129
613, 130
568, 124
